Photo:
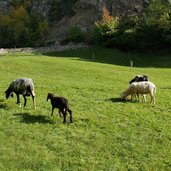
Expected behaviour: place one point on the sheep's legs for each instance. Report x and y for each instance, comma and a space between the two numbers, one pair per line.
25, 101
134, 97
144, 98
64, 112
137, 97
70, 112
152, 99
34, 103
52, 112
60, 113
18, 100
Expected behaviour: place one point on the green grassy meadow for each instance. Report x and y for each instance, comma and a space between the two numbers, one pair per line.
107, 133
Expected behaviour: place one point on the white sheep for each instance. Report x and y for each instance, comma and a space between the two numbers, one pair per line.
136, 88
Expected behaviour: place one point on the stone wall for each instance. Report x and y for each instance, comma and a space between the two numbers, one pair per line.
52, 48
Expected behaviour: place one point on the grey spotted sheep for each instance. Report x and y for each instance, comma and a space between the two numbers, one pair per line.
21, 86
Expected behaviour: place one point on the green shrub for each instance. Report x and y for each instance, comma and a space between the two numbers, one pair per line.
129, 39
106, 28
150, 30
75, 34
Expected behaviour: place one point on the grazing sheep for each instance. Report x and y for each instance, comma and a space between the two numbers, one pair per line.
61, 103
136, 88
23, 86
139, 78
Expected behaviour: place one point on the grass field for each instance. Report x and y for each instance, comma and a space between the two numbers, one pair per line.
107, 133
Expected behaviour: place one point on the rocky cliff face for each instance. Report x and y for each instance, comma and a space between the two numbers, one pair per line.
84, 13
4, 5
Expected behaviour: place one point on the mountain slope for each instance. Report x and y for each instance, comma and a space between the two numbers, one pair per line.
63, 14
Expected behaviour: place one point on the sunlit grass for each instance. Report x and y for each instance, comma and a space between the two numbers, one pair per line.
107, 134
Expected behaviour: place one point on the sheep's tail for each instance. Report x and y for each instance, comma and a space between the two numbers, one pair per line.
33, 93
31, 90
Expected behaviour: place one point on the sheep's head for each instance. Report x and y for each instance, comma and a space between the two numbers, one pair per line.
128, 97
124, 97
50, 96
8, 93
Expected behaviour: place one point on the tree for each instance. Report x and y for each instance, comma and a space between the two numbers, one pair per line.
19, 28
106, 28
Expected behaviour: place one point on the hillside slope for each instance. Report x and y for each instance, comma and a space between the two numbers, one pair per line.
63, 14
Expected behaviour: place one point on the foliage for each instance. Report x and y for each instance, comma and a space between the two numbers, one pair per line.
106, 28
107, 133
151, 30
75, 34
19, 28
156, 23
128, 36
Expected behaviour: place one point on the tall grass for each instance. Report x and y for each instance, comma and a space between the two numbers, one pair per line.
107, 134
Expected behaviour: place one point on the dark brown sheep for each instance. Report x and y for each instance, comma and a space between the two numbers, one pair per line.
62, 104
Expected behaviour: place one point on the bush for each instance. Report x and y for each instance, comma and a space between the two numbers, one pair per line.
149, 31
129, 39
75, 34
106, 28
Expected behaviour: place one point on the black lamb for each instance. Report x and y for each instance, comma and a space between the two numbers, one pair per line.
23, 86
61, 103
139, 78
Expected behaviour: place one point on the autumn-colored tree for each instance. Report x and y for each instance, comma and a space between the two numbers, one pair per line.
106, 17
107, 24
107, 27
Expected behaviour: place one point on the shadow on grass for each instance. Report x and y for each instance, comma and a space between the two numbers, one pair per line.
2, 106
115, 56
116, 100
165, 88
31, 119
119, 100
2, 100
